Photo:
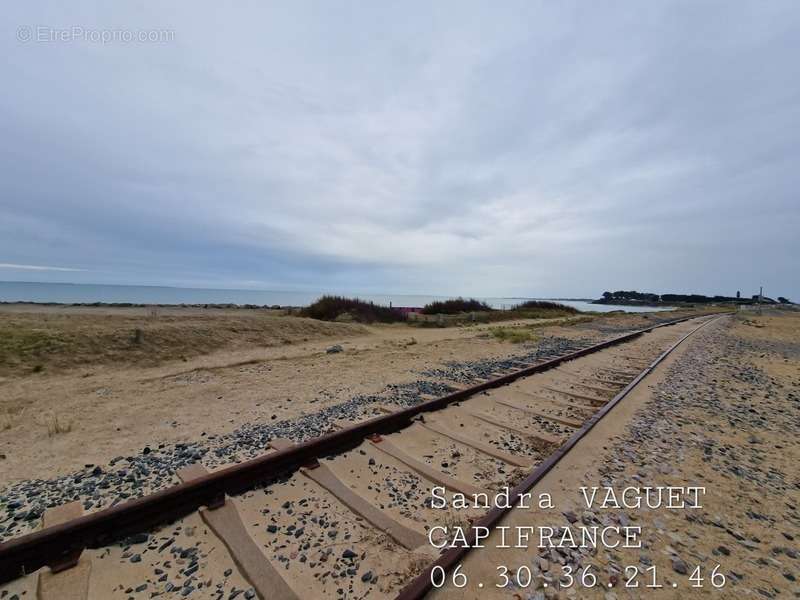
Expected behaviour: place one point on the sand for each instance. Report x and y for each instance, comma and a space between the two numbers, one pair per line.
721, 412
52, 423
342, 556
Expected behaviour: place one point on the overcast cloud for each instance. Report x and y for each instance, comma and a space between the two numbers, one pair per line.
550, 149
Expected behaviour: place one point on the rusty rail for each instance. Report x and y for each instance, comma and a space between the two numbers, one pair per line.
54, 546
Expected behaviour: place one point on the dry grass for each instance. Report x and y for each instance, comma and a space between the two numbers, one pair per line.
526, 333
57, 425
574, 320
493, 316
515, 335
36, 341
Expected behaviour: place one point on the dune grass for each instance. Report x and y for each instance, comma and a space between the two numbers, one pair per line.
515, 335
57, 425
546, 305
34, 343
455, 306
339, 308
459, 311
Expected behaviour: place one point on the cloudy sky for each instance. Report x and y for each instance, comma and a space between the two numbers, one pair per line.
532, 149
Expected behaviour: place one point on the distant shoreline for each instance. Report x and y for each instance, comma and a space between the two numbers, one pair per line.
148, 305
62, 295
56, 294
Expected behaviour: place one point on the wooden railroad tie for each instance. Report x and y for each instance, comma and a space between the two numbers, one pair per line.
539, 413
226, 523
576, 395
428, 472
438, 427
325, 477
537, 435
528, 396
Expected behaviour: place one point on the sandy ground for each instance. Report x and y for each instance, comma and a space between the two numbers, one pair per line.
104, 411
722, 413
337, 556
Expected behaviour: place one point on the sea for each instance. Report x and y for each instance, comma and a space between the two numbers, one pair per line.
82, 293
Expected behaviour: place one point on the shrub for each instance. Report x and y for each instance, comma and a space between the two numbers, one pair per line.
455, 306
339, 308
545, 305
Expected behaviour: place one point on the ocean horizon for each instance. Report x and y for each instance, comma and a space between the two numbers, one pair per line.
86, 293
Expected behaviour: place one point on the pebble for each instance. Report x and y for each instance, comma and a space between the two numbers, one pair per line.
718, 407
679, 566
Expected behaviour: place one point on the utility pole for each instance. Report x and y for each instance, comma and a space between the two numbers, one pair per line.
760, 294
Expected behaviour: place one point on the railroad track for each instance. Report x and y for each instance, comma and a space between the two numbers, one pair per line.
346, 514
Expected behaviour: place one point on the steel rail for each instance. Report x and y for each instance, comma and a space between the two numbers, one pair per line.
422, 584
54, 546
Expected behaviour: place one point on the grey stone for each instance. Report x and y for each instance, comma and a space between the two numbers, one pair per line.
679, 566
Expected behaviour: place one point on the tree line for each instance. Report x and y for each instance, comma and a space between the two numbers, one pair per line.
634, 297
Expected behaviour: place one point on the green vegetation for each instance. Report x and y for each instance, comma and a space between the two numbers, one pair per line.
455, 306
629, 297
527, 333
28, 345
515, 335
338, 308
546, 305
467, 312
541, 309
649, 299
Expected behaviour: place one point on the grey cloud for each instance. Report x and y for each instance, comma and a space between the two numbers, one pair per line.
529, 149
